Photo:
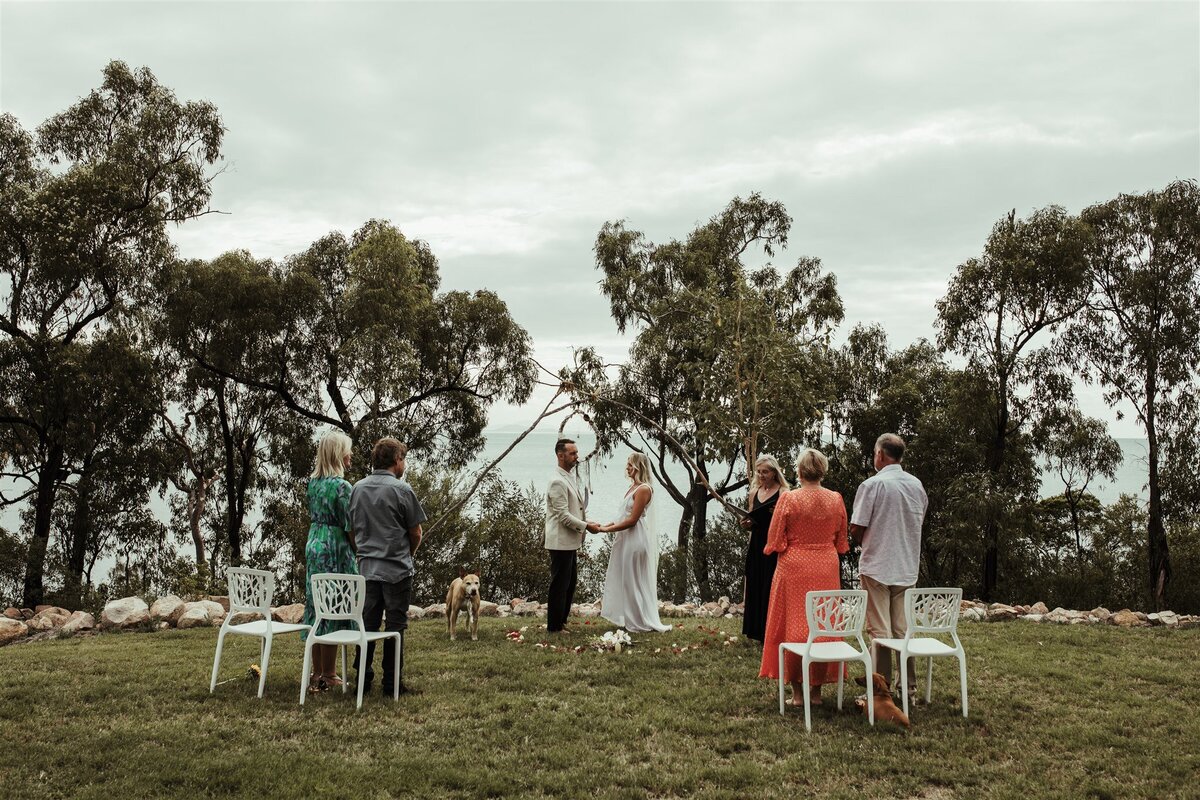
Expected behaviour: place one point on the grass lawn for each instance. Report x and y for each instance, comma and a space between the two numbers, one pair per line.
1056, 712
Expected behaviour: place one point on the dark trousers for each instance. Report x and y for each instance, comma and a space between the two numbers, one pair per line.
386, 603
563, 573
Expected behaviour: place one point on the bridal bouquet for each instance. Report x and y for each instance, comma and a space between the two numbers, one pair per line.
613, 640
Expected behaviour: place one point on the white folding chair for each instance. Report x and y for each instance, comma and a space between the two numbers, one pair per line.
840, 614
934, 612
341, 597
251, 590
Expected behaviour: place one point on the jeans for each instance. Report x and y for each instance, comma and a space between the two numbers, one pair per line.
387, 603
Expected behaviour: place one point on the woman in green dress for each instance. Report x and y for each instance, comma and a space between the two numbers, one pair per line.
330, 545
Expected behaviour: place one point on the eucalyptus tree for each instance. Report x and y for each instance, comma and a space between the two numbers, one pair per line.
111, 449
353, 334
84, 208
726, 359
1139, 338
939, 411
1079, 449
226, 309
1030, 279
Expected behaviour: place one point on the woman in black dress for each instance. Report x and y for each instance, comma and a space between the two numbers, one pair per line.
760, 569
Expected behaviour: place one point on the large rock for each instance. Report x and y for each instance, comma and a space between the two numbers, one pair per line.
194, 616
216, 611
128, 612
219, 599
435, 611
1032, 617
1125, 619
1059, 616
998, 612
1038, 608
49, 618
588, 610
11, 630
242, 617
13, 613
528, 609
79, 621
488, 609
974, 614
293, 614
416, 612
1101, 613
167, 609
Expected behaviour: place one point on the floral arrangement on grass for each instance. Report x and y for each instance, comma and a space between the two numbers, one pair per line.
618, 641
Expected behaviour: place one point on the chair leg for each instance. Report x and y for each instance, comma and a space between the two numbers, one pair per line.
396, 668
841, 681
362, 671
266, 656
781, 680
807, 709
870, 690
212, 684
308, 646
962, 678
344, 672
904, 681
928, 680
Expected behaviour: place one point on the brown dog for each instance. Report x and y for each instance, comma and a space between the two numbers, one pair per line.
885, 707
465, 588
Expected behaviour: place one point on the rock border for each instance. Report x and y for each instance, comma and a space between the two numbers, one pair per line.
19, 625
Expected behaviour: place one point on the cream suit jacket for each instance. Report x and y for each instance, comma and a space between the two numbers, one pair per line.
565, 523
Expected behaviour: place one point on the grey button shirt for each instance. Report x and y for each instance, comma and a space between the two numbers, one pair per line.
383, 509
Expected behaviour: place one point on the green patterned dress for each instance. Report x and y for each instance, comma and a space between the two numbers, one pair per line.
328, 549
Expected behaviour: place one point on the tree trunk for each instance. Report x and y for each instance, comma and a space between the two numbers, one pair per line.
81, 525
679, 594
1073, 505
35, 561
233, 517
195, 507
991, 553
698, 497
1156, 535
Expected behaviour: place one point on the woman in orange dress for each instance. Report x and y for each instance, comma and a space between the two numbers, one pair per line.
808, 531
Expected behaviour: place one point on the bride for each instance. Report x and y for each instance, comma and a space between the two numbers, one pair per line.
630, 586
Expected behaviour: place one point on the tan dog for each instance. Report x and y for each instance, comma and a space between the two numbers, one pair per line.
885, 707
465, 588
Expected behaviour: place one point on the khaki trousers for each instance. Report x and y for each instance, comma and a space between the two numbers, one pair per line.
885, 620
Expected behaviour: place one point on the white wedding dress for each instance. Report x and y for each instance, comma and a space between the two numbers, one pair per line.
631, 583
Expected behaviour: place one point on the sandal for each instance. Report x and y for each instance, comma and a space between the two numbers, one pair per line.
317, 686
331, 682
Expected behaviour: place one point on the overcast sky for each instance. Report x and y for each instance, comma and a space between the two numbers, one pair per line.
505, 134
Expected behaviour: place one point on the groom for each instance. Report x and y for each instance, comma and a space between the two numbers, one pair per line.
565, 527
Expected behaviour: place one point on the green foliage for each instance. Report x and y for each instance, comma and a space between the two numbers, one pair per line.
718, 344
84, 208
1139, 338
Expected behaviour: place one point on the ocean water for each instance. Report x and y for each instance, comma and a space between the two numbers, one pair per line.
532, 461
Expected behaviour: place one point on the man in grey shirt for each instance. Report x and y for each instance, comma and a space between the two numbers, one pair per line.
386, 518
889, 510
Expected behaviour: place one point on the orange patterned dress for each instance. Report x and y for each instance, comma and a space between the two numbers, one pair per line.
808, 531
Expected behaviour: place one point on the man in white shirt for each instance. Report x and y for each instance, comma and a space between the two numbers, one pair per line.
889, 509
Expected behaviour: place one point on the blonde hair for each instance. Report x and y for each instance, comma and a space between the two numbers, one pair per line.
641, 468
812, 465
332, 450
774, 465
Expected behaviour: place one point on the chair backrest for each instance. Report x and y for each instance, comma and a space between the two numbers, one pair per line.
250, 590
338, 596
840, 612
932, 610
